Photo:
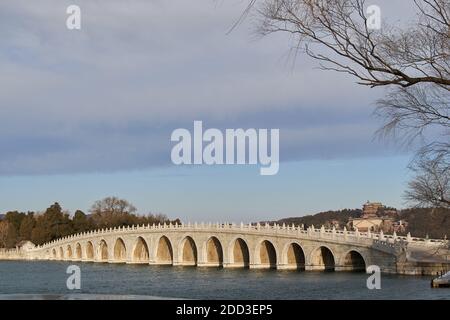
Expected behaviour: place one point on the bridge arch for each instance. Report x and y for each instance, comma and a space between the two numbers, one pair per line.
69, 253
54, 254
353, 260
78, 252
120, 251
267, 255
213, 252
164, 251
239, 253
322, 258
188, 252
293, 256
103, 251
141, 253
89, 251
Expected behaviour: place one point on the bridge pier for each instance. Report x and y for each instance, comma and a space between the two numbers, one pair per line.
137, 262
319, 268
262, 266
231, 265
347, 268
287, 267
209, 265
161, 263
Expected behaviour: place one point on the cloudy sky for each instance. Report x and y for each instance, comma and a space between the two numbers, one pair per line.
86, 114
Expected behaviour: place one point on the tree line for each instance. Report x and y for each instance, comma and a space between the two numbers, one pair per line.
54, 222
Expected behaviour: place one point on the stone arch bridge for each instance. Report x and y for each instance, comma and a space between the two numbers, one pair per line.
233, 246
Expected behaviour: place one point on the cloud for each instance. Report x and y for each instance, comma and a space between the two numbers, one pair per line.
106, 98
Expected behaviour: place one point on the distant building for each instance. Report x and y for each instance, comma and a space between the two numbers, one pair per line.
370, 209
332, 223
390, 213
375, 224
26, 245
400, 226
371, 219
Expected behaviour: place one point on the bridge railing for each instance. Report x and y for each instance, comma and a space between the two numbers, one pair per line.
10, 254
9, 250
273, 229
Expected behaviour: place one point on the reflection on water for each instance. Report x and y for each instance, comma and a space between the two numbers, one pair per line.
47, 280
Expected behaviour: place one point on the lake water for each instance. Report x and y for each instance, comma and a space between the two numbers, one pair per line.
48, 280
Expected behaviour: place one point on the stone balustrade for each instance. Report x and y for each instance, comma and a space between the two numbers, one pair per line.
269, 229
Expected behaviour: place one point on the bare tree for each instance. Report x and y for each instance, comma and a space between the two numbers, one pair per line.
8, 236
431, 185
412, 63
108, 211
4, 229
410, 111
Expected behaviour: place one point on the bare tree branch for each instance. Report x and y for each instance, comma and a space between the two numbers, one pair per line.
431, 185
413, 63
391, 57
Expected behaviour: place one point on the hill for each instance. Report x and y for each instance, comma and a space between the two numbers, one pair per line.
434, 222
324, 218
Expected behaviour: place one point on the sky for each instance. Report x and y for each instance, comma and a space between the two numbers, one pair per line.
86, 114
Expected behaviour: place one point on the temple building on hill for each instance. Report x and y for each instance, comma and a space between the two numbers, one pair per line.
372, 218
370, 209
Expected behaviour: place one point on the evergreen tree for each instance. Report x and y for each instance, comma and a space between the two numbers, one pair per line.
81, 222
26, 227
